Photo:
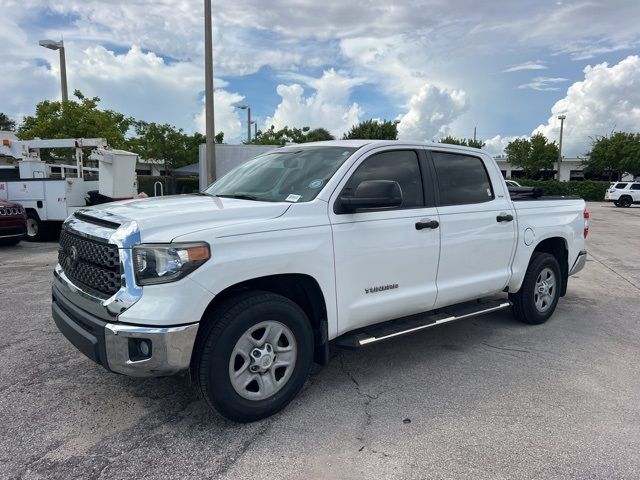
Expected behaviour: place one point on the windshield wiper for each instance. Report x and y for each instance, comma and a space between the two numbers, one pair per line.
241, 196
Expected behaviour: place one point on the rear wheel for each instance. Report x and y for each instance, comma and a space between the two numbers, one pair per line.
538, 296
253, 355
36, 230
624, 202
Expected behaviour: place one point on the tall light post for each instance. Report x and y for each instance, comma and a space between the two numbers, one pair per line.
210, 160
53, 45
561, 118
248, 109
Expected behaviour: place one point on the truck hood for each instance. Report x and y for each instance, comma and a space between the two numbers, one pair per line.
161, 219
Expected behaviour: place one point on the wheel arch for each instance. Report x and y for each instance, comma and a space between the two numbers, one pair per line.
302, 289
558, 247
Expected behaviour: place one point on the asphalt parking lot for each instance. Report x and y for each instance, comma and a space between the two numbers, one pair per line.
482, 398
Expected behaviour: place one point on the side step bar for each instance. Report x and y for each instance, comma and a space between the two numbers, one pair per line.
383, 331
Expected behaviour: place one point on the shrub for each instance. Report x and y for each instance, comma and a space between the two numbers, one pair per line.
589, 190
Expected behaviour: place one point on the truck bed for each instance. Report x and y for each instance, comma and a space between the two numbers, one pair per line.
519, 194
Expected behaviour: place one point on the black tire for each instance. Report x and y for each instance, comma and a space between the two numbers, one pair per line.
36, 228
624, 202
524, 301
222, 330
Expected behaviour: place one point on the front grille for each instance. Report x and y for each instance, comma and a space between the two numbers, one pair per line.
9, 211
90, 263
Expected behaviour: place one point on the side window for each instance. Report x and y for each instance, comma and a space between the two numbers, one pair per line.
620, 185
401, 166
462, 179
635, 186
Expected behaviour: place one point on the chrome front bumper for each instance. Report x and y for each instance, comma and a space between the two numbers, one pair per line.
170, 350
579, 263
117, 346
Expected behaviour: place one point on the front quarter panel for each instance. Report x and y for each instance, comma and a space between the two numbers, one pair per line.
298, 242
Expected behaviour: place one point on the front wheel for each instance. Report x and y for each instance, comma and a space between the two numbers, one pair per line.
538, 296
253, 355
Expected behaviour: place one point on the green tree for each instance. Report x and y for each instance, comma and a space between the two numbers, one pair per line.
373, 130
6, 123
615, 155
79, 118
165, 142
465, 142
534, 155
291, 135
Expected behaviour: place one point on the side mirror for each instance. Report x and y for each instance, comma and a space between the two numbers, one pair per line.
373, 194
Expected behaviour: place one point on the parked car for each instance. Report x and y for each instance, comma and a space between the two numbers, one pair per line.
512, 183
342, 242
13, 223
623, 194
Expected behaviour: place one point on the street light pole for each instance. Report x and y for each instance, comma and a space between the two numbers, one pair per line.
249, 122
561, 118
53, 45
208, 92
63, 74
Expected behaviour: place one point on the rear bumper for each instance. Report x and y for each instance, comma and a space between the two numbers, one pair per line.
579, 263
119, 347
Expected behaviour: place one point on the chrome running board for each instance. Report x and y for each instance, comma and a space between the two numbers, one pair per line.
414, 323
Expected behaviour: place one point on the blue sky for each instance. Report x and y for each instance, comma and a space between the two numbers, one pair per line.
507, 68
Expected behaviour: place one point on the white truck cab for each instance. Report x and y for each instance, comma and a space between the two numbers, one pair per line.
343, 242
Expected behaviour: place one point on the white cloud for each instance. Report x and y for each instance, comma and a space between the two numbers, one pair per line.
496, 145
226, 116
430, 112
543, 84
143, 85
537, 65
608, 98
327, 107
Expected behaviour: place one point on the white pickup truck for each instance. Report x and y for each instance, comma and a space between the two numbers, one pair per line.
346, 243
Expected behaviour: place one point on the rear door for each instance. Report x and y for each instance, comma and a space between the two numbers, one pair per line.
385, 264
477, 227
634, 189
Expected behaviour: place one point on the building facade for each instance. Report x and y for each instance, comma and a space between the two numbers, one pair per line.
571, 168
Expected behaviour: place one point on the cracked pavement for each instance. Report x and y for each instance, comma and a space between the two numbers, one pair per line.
481, 398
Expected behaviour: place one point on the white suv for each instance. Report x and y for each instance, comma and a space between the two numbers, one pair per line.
623, 194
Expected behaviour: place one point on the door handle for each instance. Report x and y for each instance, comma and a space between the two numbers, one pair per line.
427, 224
503, 217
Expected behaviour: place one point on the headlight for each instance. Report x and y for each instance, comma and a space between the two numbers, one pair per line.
163, 263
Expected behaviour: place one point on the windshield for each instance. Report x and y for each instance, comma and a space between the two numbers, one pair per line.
292, 174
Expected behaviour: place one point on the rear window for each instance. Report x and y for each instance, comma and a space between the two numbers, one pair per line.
620, 185
462, 179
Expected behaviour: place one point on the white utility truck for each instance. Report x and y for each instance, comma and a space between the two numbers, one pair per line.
345, 242
50, 192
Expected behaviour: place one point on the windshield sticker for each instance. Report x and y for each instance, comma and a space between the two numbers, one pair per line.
316, 183
293, 198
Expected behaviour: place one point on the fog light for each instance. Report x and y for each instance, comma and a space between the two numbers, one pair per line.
139, 349
145, 348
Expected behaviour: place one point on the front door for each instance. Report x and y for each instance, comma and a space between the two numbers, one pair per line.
386, 265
